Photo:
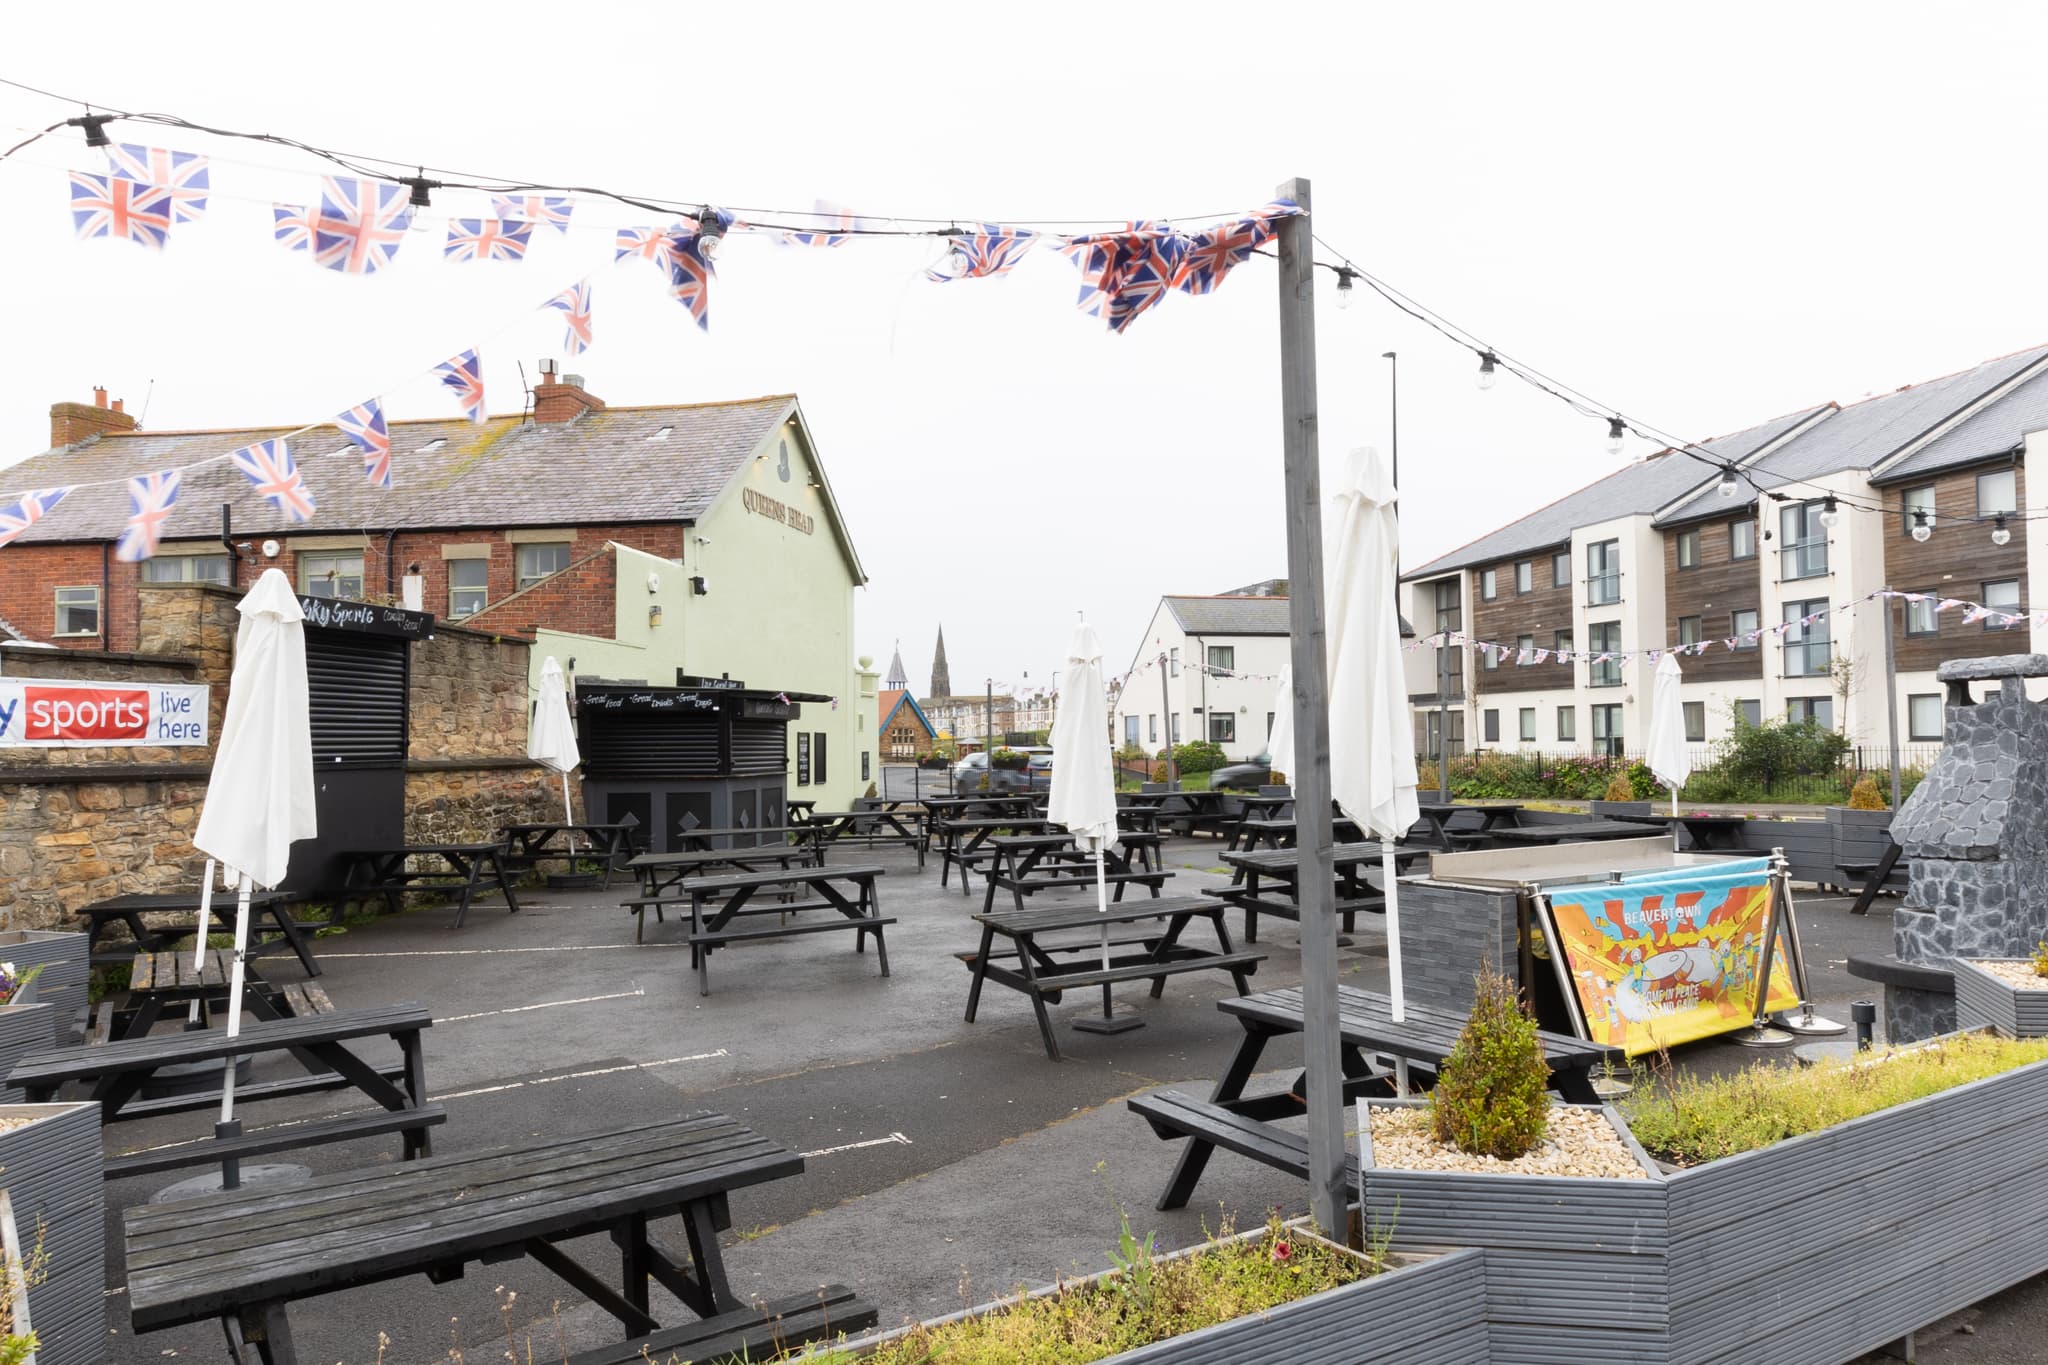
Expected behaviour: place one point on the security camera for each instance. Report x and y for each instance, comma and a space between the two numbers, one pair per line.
654, 582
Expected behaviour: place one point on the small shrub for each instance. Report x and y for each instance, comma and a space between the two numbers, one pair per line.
1864, 795
2041, 960
1490, 1097
1619, 788
1009, 760
1200, 756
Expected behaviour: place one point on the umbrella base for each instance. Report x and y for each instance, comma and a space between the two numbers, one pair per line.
1115, 1023
274, 1176
1763, 1035
1808, 1024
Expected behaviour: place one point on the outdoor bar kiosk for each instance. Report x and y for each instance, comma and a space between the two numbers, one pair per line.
710, 755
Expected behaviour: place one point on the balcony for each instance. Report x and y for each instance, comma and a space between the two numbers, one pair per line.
1603, 589
1807, 658
1804, 559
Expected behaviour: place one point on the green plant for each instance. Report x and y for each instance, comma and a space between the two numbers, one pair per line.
1133, 1264
13, 984
1012, 760
1864, 795
1491, 1097
1619, 788
1199, 756
2041, 960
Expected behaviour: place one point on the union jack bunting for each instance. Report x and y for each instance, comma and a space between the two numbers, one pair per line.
575, 305
544, 209
1945, 603
360, 224
270, 467
150, 499
649, 244
1125, 273
990, 250
26, 511
465, 374
1975, 614
690, 271
836, 230
293, 226
487, 239
364, 426
104, 206
1214, 252
183, 174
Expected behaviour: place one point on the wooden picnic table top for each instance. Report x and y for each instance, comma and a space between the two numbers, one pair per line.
870, 812
1050, 919
711, 857
737, 880
1451, 807
1341, 855
411, 850
53, 1066
174, 971
179, 901
193, 1259
995, 822
1578, 831
723, 831
1427, 1034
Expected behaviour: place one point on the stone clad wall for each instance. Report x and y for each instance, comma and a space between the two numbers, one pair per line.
469, 773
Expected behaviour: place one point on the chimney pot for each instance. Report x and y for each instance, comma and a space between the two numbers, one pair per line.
548, 367
117, 405
99, 396
574, 381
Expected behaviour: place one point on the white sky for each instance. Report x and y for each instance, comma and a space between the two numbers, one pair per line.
1705, 217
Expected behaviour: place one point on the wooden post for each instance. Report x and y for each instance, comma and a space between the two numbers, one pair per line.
1311, 712
1891, 694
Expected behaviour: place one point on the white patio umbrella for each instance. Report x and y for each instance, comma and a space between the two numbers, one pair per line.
1372, 750
1669, 759
550, 738
1083, 774
259, 799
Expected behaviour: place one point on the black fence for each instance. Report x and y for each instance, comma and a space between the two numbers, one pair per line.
1723, 773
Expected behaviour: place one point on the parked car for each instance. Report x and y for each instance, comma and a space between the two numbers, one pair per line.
1246, 776
970, 768
1039, 768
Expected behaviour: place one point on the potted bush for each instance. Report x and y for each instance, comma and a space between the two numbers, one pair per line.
2006, 994
52, 1222
1859, 832
61, 958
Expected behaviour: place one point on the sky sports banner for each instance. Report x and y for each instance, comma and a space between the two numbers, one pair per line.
48, 714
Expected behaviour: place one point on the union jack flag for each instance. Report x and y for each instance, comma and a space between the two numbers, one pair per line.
1125, 273
487, 239
990, 250
184, 174
269, 466
690, 273
364, 426
103, 206
534, 208
575, 305
360, 224
465, 374
26, 511
1214, 252
649, 244
293, 226
150, 499
836, 217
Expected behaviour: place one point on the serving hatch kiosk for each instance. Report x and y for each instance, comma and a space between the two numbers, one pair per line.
711, 755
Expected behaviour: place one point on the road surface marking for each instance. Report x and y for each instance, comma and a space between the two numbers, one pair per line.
544, 1005
892, 1139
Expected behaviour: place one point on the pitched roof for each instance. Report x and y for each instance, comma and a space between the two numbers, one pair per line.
1998, 429
608, 466
1640, 489
13, 632
891, 700
1229, 615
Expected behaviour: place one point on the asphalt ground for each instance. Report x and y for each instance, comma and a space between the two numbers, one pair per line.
946, 1162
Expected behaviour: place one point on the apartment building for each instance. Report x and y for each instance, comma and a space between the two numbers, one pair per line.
1751, 544
1220, 659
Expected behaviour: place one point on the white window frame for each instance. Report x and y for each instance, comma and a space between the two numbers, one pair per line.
524, 578
157, 569
456, 608
334, 559
1914, 703
96, 605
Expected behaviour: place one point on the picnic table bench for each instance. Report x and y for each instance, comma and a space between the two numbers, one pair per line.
462, 870
1241, 1123
1493, 815
245, 1257
1572, 832
116, 1072
1254, 808
1709, 833
170, 980
712, 927
660, 872
1044, 977
531, 845
888, 823
1269, 882
281, 931
1876, 874
1026, 864
963, 843
760, 1331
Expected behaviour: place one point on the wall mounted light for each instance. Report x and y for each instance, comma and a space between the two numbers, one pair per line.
270, 549
699, 586
654, 614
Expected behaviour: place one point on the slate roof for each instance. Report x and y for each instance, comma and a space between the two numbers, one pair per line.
604, 467
1997, 430
1639, 489
1229, 615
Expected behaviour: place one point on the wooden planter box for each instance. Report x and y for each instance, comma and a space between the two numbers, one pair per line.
1816, 1249
1809, 847
1858, 836
50, 1178
1423, 1311
62, 956
1987, 1001
23, 1029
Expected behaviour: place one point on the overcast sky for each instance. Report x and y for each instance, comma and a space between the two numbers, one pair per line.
1704, 217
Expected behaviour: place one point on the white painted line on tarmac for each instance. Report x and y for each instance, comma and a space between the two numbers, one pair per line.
581, 1075
544, 1005
891, 1140
486, 952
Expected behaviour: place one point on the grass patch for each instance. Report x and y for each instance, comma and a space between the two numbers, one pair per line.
1690, 1120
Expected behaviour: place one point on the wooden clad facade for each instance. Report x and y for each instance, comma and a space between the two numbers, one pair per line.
1714, 588
1540, 613
1957, 560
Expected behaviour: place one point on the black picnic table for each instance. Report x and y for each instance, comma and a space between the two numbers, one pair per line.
245, 1257
1493, 816
1365, 1022
962, 843
1575, 832
1282, 833
282, 931
1710, 833
988, 804
530, 845
1025, 864
886, 822
1270, 882
1197, 810
1043, 977
463, 870
712, 928
662, 873
175, 980
1251, 808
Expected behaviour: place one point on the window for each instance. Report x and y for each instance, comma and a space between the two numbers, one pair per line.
1688, 549
1920, 617
185, 569
1223, 657
1448, 616
1173, 663
1561, 569
1997, 492
1488, 660
1688, 630
1605, 638
818, 756
78, 611
1805, 551
1562, 642
1912, 502
1607, 730
1176, 727
1745, 623
1489, 585
468, 586
1151, 729
1525, 649
2003, 596
1806, 646
1811, 710
1492, 719
1567, 724
1130, 729
1603, 573
1751, 711
331, 575
1923, 716
1222, 728
1695, 721
1528, 731
1742, 539
538, 561
1434, 728
1525, 576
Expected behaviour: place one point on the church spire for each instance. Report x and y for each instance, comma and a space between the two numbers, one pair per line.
898, 680
942, 679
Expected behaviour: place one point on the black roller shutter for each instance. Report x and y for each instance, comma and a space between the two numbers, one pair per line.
358, 695
627, 745
759, 747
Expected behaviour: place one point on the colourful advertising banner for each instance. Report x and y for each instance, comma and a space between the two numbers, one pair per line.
53, 714
1669, 958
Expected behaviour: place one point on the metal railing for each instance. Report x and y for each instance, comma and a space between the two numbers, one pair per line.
1603, 589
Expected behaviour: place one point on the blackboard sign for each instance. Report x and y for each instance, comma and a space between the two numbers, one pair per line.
803, 758
367, 618
708, 684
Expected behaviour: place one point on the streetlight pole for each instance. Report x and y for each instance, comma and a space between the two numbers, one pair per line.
1394, 416
1166, 714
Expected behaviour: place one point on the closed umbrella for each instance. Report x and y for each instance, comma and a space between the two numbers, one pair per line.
550, 738
1372, 749
1669, 759
1084, 781
259, 799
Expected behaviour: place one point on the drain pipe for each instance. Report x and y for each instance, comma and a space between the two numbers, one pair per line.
391, 563
227, 539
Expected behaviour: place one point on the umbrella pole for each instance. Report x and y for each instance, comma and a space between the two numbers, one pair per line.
1108, 1023
199, 947
1395, 990
568, 817
228, 1127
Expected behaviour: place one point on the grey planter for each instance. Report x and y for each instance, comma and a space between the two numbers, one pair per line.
1606, 809
1424, 1311
1898, 1219
50, 1178
1809, 847
1987, 1001
62, 956
1859, 836
23, 1029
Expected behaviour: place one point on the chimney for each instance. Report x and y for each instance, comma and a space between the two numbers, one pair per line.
561, 397
72, 423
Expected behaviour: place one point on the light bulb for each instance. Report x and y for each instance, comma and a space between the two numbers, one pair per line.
1615, 434
1999, 534
1345, 274
1828, 514
1726, 487
1486, 369
1922, 531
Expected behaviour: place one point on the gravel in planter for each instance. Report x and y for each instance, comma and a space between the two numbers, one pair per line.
1581, 1141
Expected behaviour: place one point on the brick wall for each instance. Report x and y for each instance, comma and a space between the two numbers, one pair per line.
582, 599
31, 574
424, 548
